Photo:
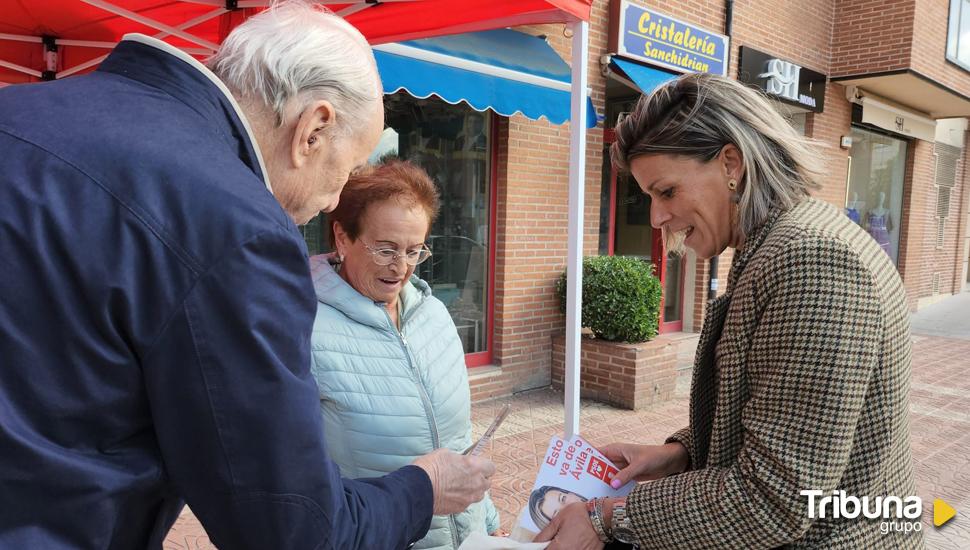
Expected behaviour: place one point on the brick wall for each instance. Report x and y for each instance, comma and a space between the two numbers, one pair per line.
872, 36
920, 257
929, 46
700, 290
918, 225
532, 224
952, 256
827, 128
627, 375
796, 31
962, 222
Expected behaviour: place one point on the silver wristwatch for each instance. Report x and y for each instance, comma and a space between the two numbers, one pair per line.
622, 528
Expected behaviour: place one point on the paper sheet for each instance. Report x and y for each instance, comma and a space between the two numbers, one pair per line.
571, 471
477, 541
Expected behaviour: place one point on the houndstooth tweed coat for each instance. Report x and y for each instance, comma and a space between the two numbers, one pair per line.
801, 381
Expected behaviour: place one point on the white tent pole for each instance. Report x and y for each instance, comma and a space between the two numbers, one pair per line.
361, 3
187, 25
20, 68
20, 37
151, 23
80, 67
352, 9
577, 191
86, 43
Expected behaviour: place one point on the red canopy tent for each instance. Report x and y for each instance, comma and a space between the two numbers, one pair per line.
83, 30
57, 38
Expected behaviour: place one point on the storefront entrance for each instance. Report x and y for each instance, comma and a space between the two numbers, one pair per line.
875, 194
629, 233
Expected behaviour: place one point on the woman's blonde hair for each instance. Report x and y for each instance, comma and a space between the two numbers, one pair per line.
696, 115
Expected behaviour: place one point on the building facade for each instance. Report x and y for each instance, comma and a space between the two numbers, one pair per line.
883, 87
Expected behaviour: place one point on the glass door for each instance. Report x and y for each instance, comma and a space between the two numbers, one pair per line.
634, 236
874, 197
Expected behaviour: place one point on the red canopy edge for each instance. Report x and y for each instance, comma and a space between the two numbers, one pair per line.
383, 22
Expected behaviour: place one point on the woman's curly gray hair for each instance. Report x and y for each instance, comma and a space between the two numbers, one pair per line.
696, 115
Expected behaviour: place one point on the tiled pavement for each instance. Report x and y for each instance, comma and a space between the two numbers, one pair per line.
940, 420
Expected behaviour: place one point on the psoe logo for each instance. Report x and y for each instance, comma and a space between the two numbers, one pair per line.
896, 513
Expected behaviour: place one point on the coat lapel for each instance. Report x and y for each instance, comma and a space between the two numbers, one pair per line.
703, 394
704, 383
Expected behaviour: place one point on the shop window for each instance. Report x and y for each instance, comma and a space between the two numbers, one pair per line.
875, 193
958, 35
453, 143
616, 109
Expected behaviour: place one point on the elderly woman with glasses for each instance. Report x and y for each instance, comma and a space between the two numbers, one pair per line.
386, 354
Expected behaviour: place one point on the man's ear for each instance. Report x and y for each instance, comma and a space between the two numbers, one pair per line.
317, 121
733, 162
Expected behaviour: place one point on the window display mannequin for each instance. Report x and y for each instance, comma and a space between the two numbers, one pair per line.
879, 223
473, 138
854, 208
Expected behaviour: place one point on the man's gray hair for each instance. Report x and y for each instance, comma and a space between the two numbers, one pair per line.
696, 115
296, 52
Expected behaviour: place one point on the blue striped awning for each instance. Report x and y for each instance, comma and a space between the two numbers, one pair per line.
645, 78
503, 70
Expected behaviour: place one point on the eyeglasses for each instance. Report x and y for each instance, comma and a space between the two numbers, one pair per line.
388, 256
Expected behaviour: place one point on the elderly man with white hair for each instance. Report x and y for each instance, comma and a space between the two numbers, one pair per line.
156, 303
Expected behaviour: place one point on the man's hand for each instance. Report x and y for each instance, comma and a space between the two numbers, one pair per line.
570, 529
645, 462
458, 480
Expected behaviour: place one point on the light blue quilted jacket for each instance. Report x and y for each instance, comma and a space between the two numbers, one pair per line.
389, 397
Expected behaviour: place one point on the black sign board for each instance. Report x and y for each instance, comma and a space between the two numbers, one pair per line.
782, 80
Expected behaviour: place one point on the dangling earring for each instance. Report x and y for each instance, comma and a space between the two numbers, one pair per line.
733, 186
736, 199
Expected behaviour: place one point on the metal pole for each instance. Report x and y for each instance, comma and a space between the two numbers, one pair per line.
728, 27
577, 190
175, 31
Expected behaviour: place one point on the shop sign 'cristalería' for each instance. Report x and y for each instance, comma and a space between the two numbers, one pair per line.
658, 39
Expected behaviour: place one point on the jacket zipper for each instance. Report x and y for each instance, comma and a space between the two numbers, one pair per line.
425, 400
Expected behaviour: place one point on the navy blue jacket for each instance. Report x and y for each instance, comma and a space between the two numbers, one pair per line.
155, 313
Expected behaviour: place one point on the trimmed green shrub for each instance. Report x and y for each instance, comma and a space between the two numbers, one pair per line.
621, 298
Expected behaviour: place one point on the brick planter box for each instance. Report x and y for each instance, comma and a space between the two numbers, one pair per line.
631, 376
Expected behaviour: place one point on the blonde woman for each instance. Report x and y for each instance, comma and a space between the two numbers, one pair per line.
801, 378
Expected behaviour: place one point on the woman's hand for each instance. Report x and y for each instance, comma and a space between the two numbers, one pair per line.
645, 462
570, 530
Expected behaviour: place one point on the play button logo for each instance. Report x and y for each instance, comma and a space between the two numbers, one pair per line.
942, 512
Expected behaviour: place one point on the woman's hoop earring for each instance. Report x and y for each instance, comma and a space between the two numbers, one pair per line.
732, 184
